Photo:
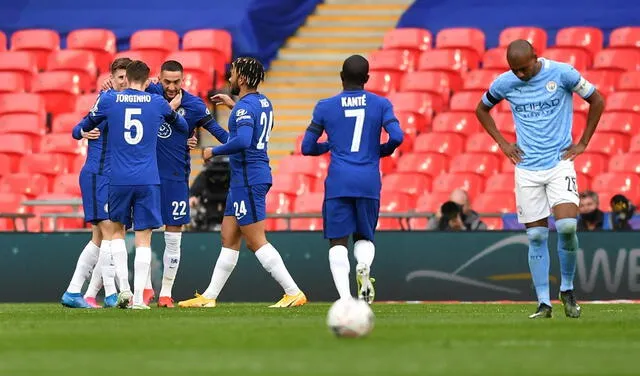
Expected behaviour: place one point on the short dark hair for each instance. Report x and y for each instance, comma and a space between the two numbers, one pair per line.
249, 68
355, 70
171, 66
120, 63
138, 71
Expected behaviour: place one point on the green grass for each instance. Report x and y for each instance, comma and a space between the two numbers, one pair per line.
250, 339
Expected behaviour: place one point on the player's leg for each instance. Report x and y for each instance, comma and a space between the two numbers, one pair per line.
95, 282
120, 204
249, 204
146, 217
338, 217
107, 267
533, 211
367, 211
227, 260
562, 192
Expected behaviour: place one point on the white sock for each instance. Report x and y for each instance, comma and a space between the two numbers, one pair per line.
87, 260
272, 262
141, 266
119, 254
108, 269
95, 284
364, 250
148, 285
170, 261
339, 264
224, 267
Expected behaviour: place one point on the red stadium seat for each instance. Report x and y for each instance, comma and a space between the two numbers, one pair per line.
624, 101
164, 41
381, 82
69, 184
77, 163
45, 164
29, 125
621, 122
298, 147
39, 42
457, 122
420, 103
629, 162
277, 204
64, 123
495, 202
604, 80
308, 203
19, 62
495, 59
30, 185
481, 142
625, 37
443, 142
590, 39
407, 39
620, 59
14, 146
63, 144
634, 145
609, 143
625, 183
583, 182
535, 35
100, 42
483, 164
85, 102
302, 164
388, 164
579, 105
153, 59
11, 203
462, 37
437, 83
199, 65
58, 89
21, 103
507, 166
591, 164
6, 164
3, 41
432, 164
479, 79
465, 101
470, 182
49, 224
629, 81
215, 41
411, 183
391, 202
504, 122
577, 57
392, 61
579, 125
407, 142
409, 121
292, 184
455, 62
500, 183
11, 82
80, 62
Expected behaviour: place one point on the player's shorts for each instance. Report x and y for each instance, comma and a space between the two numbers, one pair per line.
95, 195
247, 204
174, 202
142, 202
344, 216
537, 192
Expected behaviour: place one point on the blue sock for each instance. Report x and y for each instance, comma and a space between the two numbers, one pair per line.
539, 262
567, 251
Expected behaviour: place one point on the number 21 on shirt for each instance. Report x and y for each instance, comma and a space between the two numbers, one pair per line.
357, 130
266, 122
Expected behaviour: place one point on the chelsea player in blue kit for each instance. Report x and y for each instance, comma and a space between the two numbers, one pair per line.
250, 125
94, 186
133, 120
540, 94
174, 165
353, 121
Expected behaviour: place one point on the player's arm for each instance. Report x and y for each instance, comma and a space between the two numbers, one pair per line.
573, 80
492, 97
79, 134
98, 112
173, 118
392, 127
242, 140
208, 122
310, 144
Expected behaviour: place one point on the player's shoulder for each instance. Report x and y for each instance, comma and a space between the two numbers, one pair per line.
557, 66
377, 99
155, 88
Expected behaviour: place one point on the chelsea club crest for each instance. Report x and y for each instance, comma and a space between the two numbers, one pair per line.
164, 131
180, 111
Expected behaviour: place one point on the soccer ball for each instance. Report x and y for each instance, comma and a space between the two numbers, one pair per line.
350, 318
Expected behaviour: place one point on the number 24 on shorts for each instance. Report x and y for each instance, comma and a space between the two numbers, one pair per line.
240, 209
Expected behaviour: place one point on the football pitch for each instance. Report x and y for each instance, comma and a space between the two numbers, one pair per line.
251, 339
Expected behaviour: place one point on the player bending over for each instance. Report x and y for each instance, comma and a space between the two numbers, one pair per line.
353, 121
133, 120
94, 186
540, 94
250, 124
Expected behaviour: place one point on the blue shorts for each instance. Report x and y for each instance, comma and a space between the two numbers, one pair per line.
344, 216
142, 202
247, 204
95, 195
174, 202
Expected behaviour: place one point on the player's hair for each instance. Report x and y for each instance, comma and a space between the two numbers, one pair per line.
355, 70
590, 194
138, 71
249, 68
120, 63
171, 66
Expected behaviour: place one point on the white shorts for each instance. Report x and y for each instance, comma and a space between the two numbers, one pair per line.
537, 192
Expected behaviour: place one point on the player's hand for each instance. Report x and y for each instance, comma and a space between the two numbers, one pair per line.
154, 80
192, 142
207, 153
573, 151
513, 152
176, 101
91, 135
106, 85
223, 99
193, 201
